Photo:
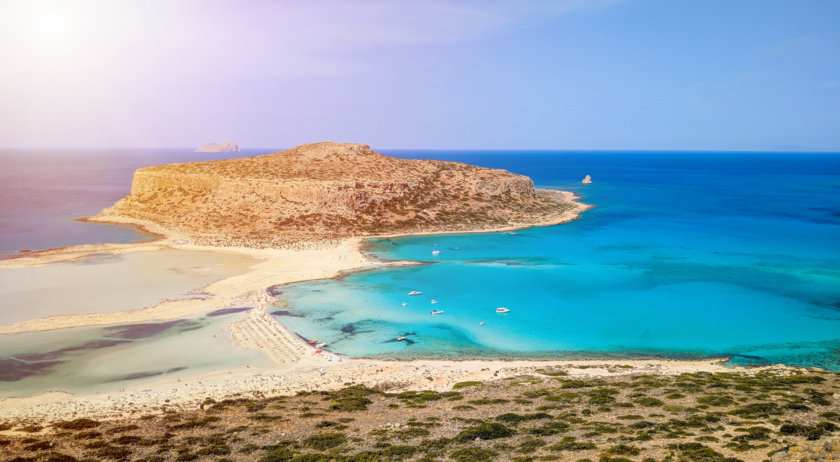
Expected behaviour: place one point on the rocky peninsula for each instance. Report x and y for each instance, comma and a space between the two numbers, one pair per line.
329, 192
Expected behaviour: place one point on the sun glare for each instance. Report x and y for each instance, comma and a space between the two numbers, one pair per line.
49, 26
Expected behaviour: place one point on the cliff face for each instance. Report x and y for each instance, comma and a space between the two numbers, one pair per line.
226, 146
328, 191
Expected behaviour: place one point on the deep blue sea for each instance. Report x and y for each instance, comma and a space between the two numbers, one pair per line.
686, 254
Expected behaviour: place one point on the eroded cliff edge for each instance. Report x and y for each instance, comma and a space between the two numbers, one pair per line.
329, 191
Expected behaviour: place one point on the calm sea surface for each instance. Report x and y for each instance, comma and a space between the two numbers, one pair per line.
44, 192
685, 255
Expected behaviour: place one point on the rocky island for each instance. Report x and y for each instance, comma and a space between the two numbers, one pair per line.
328, 192
302, 403
225, 146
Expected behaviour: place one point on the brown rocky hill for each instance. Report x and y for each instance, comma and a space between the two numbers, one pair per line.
330, 191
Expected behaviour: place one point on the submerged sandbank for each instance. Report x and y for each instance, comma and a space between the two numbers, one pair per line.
264, 268
296, 362
106, 282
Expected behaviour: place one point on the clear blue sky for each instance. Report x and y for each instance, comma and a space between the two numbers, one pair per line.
576, 74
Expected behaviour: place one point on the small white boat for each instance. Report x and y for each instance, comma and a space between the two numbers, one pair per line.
400, 339
435, 252
437, 311
405, 304
502, 309
434, 301
481, 323
320, 345
414, 292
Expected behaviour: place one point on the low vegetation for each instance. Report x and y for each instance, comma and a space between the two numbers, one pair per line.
690, 417
326, 192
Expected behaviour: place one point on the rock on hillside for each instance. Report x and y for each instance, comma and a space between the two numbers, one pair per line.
225, 146
329, 191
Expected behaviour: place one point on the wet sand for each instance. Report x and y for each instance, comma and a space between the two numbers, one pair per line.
306, 375
107, 282
298, 366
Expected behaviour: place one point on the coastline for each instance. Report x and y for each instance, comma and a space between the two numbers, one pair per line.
570, 215
305, 376
297, 368
297, 365
330, 261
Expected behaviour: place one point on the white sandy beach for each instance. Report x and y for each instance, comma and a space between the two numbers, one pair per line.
305, 375
298, 365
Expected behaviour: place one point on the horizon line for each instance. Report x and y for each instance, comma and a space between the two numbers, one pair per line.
272, 150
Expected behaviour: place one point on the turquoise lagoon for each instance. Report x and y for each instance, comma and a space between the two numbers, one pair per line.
684, 255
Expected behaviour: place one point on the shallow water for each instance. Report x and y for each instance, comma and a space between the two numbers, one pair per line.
686, 254
97, 359
106, 283
44, 191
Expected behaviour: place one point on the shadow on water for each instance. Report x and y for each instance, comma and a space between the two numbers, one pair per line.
143, 375
12, 370
20, 366
137, 331
225, 311
56, 354
404, 338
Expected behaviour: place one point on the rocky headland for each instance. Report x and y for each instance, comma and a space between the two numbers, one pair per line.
225, 146
328, 192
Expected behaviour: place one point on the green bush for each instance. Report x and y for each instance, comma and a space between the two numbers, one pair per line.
716, 400
127, 439
473, 455
485, 431
399, 451
38, 446
624, 450
516, 418
57, 457
113, 452
216, 448
530, 445
325, 441
486, 401
470, 383
810, 432
278, 454
77, 424
696, 452
312, 457
648, 401
569, 444
351, 398
757, 410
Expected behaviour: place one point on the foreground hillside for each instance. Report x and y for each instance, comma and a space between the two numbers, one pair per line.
330, 191
546, 416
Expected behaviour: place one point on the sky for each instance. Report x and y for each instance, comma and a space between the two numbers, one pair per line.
430, 74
